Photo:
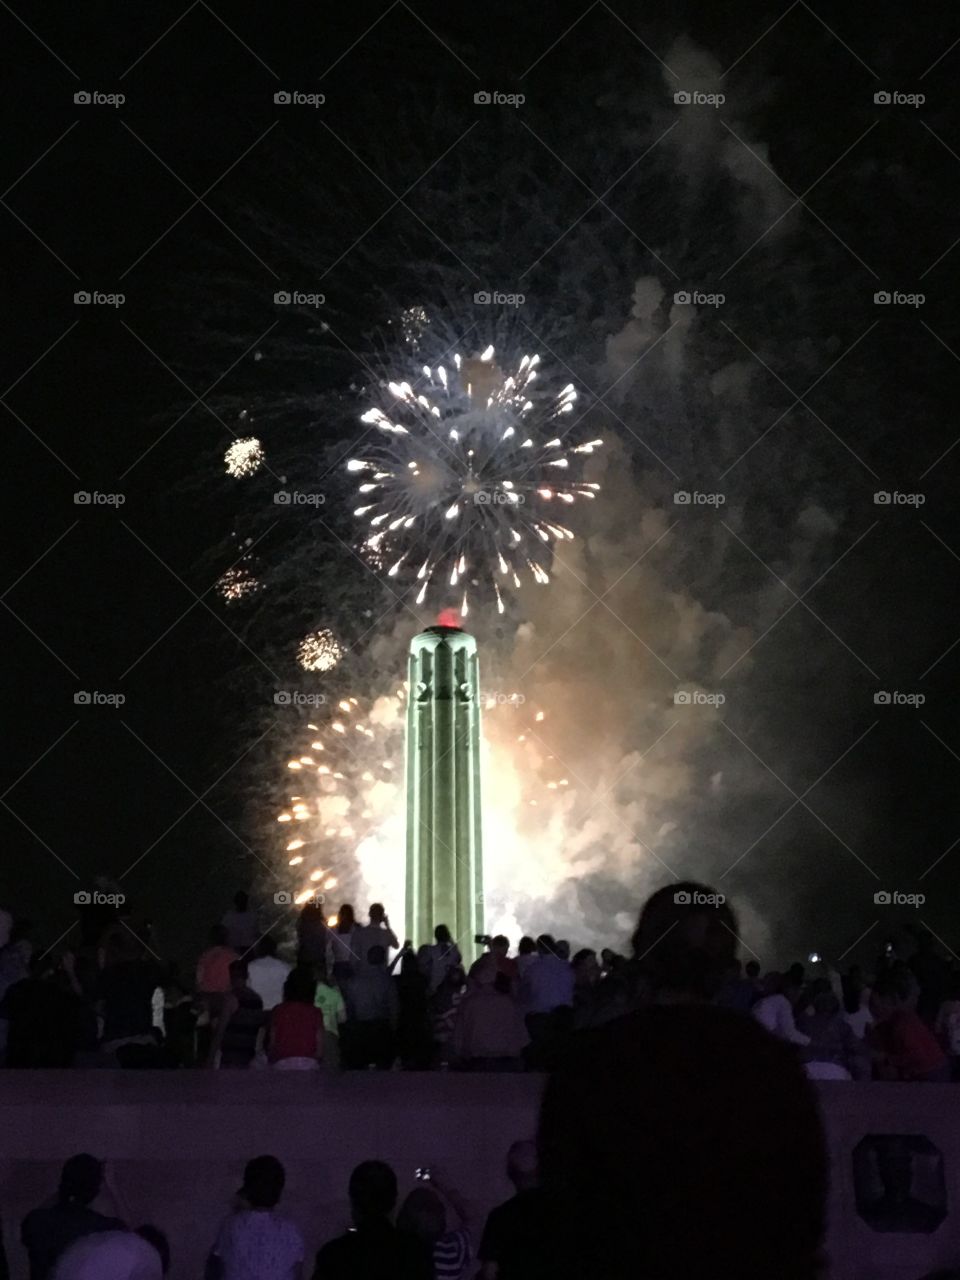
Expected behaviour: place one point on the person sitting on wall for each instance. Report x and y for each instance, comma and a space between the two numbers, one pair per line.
903, 1046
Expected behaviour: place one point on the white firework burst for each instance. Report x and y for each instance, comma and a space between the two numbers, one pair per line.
244, 456
237, 583
467, 476
319, 651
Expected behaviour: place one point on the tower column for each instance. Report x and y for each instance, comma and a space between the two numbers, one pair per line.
444, 872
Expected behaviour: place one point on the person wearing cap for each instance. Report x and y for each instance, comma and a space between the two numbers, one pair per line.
255, 1240
48, 1231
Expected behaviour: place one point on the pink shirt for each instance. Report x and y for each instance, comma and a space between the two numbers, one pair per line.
213, 969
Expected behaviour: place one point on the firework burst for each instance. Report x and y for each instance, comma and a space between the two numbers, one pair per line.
319, 651
243, 457
464, 483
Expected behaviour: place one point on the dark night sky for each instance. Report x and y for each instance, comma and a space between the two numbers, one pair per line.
94, 593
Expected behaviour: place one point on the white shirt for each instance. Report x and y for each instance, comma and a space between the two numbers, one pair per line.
374, 935
266, 977
258, 1244
776, 1014
109, 1255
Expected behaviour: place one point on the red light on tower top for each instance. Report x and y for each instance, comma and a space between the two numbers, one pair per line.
450, 618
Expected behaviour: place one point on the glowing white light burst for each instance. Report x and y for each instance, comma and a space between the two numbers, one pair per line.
468, 474
348, 797
319, 651
244, 456
236, 584
342, 827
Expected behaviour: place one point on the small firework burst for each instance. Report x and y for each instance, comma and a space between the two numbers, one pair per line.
244, 456
319, 651
237, 583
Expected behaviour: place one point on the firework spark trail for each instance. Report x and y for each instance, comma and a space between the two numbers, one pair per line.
459, 462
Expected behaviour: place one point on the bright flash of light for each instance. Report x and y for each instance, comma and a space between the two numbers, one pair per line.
244, 456
350, 812
466, 470
318, 651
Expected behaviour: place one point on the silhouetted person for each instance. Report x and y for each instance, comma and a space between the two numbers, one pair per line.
650, 1163
49, 1231
375, 1250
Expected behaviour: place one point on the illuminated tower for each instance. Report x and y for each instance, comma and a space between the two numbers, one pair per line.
444, 849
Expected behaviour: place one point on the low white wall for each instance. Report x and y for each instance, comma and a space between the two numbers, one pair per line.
178, 1141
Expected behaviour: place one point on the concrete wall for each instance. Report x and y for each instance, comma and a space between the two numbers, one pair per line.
177, 1142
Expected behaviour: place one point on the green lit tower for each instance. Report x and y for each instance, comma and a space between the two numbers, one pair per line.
444, 845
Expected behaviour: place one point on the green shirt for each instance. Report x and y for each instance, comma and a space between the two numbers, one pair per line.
329, 1001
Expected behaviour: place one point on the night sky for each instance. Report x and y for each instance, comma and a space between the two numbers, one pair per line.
182, 188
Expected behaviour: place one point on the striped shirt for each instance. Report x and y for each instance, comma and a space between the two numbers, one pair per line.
451, 1255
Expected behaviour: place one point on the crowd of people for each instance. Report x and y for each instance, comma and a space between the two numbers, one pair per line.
430, 1237
350, 995
679, 1133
